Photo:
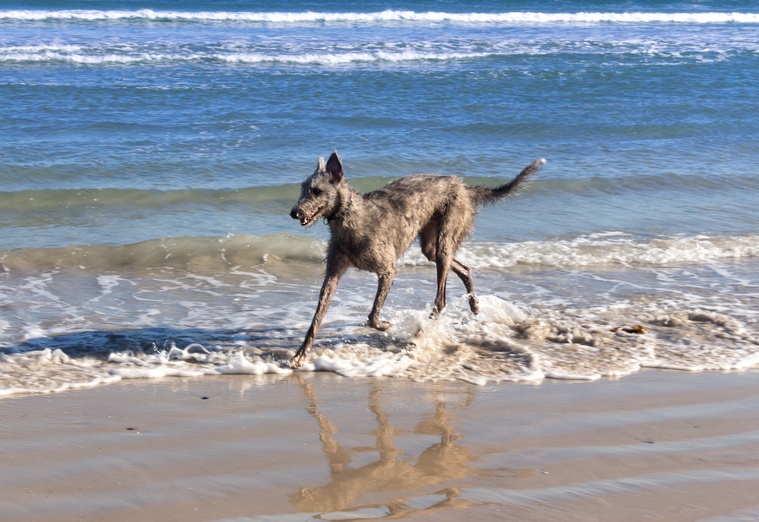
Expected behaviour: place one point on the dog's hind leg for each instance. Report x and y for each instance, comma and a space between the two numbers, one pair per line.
429, 237
429, 243
325, 297
465, 274
383, 286
443, 260
443, 263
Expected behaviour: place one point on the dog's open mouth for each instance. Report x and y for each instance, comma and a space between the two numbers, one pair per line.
310, 219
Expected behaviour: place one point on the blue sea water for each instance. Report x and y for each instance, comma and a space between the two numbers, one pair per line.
150, 152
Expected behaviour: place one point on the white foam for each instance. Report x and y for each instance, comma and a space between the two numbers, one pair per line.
590, 251
108, 283
375, 365
193, 360
388, 52
49, 371
33, 332
252, 58
240, 365
105, 56
41, 48
345, 58
388, 16
89, 59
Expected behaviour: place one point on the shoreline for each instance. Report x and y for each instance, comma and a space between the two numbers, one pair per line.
660, 444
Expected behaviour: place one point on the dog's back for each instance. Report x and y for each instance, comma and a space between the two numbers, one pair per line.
411, 203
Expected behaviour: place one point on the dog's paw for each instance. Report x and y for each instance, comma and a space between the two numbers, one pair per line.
296, 362
382, 326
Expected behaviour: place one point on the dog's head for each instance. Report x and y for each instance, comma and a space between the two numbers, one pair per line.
321, 194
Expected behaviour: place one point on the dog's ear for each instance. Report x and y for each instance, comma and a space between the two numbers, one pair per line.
320, 166
335, 168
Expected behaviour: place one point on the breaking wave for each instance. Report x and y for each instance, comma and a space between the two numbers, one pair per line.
222, 254
250, 58
383, 17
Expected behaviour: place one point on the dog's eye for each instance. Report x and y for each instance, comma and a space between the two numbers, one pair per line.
316, 191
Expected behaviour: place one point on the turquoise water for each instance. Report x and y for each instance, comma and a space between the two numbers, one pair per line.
151, 151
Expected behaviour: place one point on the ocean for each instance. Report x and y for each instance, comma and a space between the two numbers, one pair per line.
150, 152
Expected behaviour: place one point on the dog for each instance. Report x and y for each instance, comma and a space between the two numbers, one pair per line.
371, 231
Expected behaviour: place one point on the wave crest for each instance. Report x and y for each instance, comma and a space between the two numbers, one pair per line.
224, 254
388, 16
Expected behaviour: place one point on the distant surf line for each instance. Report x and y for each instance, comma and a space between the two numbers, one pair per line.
105, 57
388, 16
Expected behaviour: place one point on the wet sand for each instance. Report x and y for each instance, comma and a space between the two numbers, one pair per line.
660, 445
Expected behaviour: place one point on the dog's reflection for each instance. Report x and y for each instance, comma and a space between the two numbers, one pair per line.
392, 470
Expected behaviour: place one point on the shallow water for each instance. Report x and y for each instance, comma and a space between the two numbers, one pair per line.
72, 329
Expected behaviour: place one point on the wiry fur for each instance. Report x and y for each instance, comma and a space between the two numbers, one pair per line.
371, 231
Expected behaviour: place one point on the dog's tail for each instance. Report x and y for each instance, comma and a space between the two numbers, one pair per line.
484, 195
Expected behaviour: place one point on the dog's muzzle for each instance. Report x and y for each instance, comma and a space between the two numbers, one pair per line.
301, 216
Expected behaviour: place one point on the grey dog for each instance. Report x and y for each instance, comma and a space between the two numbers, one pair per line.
371, 231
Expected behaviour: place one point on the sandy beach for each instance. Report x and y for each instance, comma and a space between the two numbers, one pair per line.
659, 445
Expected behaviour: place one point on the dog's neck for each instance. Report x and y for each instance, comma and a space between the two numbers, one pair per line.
341, 213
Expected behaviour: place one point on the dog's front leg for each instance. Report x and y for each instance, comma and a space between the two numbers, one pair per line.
325, 297
383, 286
